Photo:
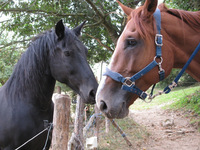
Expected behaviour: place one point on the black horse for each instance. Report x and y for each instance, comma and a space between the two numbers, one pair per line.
25, 99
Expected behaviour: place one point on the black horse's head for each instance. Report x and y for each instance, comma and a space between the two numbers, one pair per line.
69, 65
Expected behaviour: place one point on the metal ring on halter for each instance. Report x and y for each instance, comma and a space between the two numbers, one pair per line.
161, 59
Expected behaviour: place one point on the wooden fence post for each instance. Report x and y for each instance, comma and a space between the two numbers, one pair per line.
58, 89
77, 141
61, 122
78, 128
107, 124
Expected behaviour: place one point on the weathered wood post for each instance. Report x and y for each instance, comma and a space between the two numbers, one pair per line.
61, 122
78, 128
77, 141
85, 111
58, 89
107, 124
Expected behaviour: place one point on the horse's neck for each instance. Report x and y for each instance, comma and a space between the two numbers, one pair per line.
37, 90
182, 40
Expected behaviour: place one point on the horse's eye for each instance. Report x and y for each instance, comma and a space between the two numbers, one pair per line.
131, 42
67, 53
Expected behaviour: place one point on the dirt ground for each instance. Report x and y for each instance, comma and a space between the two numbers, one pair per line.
169, 129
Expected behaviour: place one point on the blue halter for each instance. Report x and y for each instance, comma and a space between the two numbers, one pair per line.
128, 83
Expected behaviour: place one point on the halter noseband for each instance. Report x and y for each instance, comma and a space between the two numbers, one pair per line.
128, 83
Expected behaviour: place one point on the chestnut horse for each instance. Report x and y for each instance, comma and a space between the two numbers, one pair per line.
136, 49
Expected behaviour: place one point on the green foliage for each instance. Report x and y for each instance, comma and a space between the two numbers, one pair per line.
33, 17
190, 5
185, 80
9, 56
105, 22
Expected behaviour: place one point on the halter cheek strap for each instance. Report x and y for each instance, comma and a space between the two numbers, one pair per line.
128, 83
159, 43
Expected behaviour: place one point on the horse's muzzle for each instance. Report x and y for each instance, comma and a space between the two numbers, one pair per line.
118, 110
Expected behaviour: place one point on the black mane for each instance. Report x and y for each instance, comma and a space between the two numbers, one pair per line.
33, 62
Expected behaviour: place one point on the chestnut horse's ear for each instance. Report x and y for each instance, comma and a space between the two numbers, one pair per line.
149, 8
126, 9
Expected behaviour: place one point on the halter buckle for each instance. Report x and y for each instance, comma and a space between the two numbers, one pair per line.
143, 95
128, 82
158, 40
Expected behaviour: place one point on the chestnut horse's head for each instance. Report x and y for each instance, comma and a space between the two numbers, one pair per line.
135, 49
133, 52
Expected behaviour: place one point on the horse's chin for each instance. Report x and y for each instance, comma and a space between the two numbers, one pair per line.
87, 99
121, 115
113, 111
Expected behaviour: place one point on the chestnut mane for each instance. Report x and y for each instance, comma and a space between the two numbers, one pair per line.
190, 18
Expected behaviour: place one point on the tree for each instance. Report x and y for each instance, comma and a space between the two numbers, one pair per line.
105, 22
28, 18
190, 5
8, 57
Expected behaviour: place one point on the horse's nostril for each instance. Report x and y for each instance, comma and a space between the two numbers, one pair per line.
92, 93
103, 106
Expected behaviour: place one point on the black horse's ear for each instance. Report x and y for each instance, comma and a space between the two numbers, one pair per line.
60, 30
77, 30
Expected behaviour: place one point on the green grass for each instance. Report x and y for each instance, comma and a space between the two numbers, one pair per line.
114, 140
173, 98
189, 102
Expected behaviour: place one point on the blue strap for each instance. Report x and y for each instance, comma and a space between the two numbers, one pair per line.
144, 71
114, 75
118, 77
169, 88
157, 16
135, 90
158, 38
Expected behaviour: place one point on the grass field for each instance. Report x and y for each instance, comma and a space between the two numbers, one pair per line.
172, 99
